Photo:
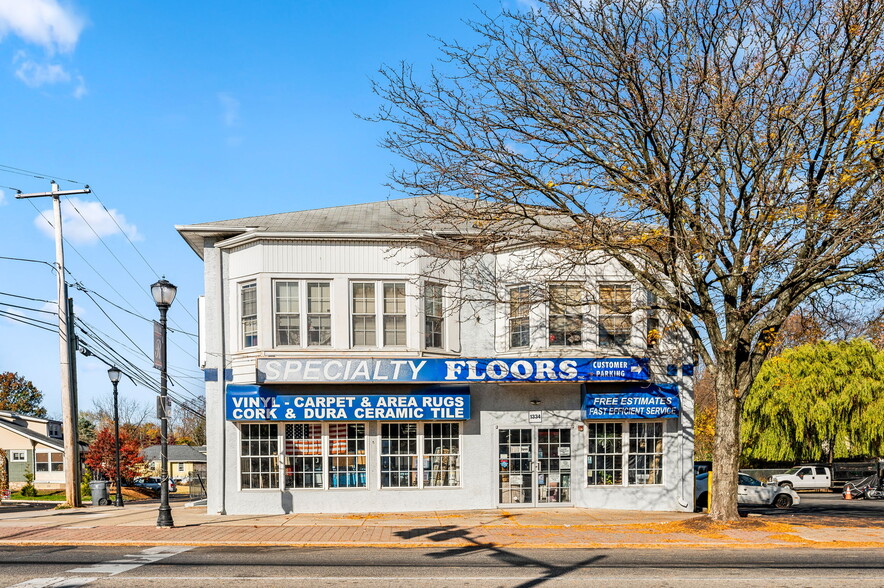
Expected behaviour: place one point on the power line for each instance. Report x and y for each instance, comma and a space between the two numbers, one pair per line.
31, 322
39, 175
28, 308
27, 298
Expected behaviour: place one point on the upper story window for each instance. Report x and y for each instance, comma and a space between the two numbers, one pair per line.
248, 295
433, 316
519, 325
378, 303
565, 315
615, 315
365, 331
394, 313
318, 313
287, 317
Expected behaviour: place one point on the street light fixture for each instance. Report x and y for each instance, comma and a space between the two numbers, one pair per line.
164, 294
114, 374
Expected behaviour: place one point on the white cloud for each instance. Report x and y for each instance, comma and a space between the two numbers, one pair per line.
2, 198
229, 109
77, 216
35, 74
80, 90
47, 23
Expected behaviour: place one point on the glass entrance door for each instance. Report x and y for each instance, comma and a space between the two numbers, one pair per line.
534, 466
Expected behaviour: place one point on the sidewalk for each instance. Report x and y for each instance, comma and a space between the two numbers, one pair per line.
135, 524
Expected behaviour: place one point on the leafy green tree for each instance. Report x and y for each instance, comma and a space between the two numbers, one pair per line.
814, 402
85, 428
20, 395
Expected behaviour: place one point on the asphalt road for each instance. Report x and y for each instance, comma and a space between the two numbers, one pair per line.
827, 508
221, 567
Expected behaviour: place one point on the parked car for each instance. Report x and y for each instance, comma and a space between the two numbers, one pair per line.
701, 467
749, 491
153, 483
806, 477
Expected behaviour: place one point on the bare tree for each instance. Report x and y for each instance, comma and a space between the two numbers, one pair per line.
728, 153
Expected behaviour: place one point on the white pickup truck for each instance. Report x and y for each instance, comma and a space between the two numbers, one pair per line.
806, 477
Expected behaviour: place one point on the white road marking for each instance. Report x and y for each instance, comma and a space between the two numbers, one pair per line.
112, 568
54, 583
118, 566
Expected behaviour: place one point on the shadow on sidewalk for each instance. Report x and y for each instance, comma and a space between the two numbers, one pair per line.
449, 532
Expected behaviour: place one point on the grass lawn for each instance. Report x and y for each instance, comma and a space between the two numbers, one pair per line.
57, 495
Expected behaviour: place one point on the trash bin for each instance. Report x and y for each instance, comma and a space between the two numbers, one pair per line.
99, 492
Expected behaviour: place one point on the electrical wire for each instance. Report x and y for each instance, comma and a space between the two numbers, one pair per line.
39, 175
27, 298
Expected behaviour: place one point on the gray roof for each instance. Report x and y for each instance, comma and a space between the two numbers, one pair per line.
176, 453
387, 217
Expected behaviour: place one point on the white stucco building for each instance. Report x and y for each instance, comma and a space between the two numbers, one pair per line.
348, 371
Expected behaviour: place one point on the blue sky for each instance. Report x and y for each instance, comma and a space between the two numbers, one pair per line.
179, 113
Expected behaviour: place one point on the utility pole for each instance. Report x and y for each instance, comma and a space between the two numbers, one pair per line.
68, 401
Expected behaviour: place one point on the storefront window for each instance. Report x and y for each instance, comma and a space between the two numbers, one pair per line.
258, 454
518, 319
611, 446
398, 455
646, 453
604, 455
565, 315
441, 461
346, 447
303, 449
288, 318
426, 455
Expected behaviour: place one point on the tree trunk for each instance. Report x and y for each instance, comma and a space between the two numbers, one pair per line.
726, 451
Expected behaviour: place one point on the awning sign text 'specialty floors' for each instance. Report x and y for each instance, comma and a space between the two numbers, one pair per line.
436, 370
260, 403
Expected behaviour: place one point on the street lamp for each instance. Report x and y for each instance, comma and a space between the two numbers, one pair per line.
164, 294
114, 374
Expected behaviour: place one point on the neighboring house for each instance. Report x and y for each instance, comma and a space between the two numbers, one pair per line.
35, 443
347, 371
183, 460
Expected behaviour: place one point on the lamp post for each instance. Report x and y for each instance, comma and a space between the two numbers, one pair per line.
114, 375
163, 294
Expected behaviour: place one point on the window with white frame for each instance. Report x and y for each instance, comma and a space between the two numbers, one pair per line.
287, 312
346, 453
417, 455
180, 467
303, 460
604, 454
325, 455
519, 323
615, 315
565, 315
18, 455
318, 313
49, 462
248, 295
646, 453
433, 317
364, 317
394, 314
258, 456
618, 452
441, 458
